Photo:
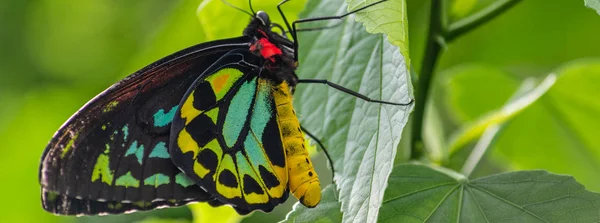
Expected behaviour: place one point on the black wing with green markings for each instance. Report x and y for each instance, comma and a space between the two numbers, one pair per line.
112, 155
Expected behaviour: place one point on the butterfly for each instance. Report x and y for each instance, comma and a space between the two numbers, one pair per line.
211, 123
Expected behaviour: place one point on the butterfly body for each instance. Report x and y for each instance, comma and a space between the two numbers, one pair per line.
213, 123
303, 181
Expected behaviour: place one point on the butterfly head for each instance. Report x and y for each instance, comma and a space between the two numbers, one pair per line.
264, 18
267, 43
274, 48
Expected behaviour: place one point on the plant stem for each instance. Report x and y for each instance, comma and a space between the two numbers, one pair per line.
440, 33
432, 52
480, 149
467, 24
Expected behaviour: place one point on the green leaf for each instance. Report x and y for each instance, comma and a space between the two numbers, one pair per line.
160, 220
389, 18
593, 4
419, 193
328, 209
361, 137
556, 132
203, 212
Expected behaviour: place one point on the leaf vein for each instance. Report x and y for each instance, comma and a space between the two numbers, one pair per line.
418, 191
477, 203
441, 201
508, 202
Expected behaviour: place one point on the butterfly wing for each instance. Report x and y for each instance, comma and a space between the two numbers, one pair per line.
112, 157
225, 135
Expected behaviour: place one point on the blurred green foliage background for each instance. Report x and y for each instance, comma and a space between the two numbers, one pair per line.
56, 55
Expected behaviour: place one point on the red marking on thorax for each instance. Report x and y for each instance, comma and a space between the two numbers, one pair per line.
268, 49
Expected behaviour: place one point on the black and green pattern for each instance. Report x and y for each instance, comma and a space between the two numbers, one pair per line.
113, 151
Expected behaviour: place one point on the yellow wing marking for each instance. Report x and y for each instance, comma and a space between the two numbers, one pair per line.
214, 146
226, 191
186, 143
245, 169
188, 111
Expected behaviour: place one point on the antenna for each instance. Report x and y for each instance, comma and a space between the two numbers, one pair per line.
238, 8
251, 9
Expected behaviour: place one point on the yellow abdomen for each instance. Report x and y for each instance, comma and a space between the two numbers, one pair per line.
303, 180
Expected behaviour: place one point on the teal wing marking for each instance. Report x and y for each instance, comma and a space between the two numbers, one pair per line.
238, 111
162, 118
262, 111
160, 151
137, 150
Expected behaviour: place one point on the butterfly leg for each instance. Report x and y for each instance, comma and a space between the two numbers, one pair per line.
351, 92
320, 145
